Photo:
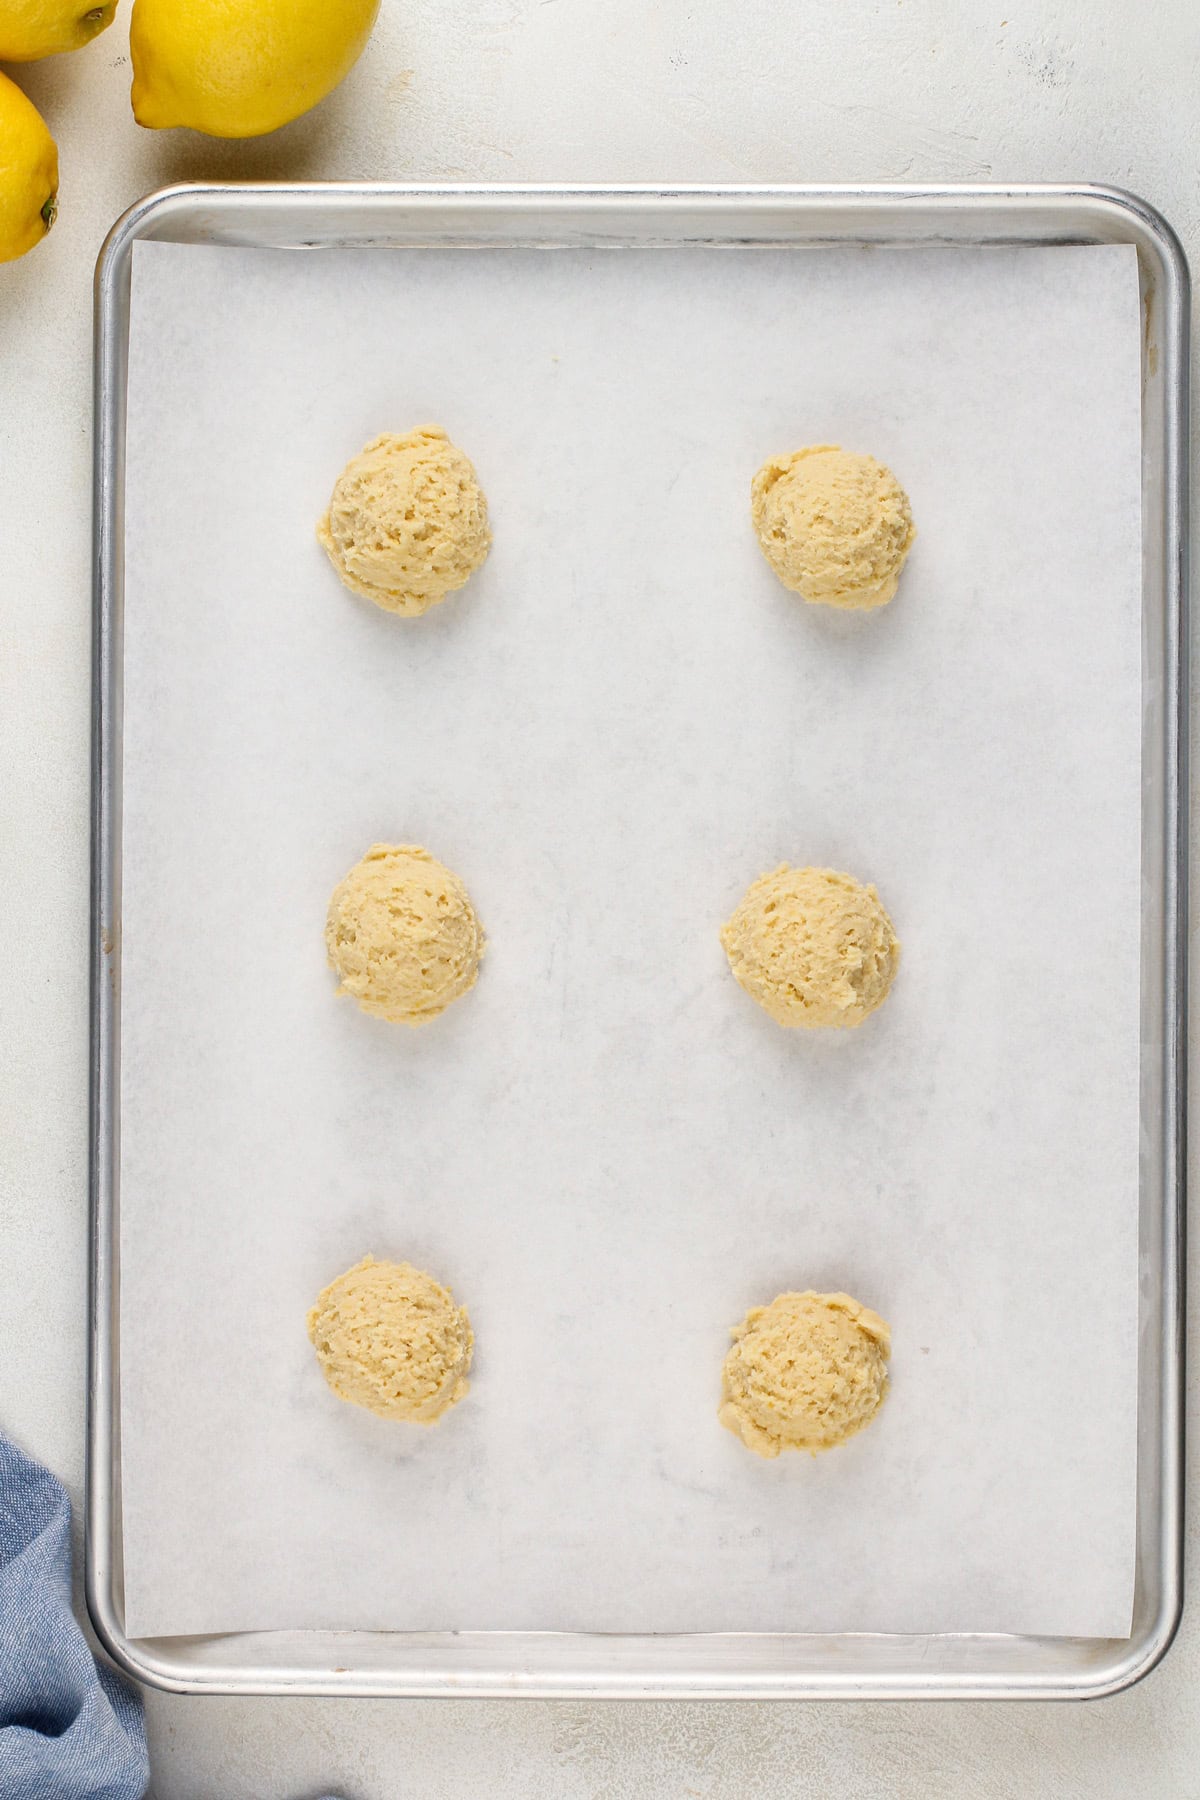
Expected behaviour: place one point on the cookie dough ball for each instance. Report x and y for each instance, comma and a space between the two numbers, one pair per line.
390, 1338
835, 527
804, 1373
813, 947
407, 523
402, 935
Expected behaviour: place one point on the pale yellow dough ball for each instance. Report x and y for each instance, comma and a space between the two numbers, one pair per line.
804, 1373
835, 527
408, 523
813, 947
402, 935
390, 1338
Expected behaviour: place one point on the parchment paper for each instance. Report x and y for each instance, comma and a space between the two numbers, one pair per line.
607, 1150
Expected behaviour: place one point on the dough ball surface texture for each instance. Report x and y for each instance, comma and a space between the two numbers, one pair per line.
407, 523
402, 935
835, 527
813, 947
804, 1373
390, 1338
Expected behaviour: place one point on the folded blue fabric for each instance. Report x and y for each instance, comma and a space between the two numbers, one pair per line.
69, 1729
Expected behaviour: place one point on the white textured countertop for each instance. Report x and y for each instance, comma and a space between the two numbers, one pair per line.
686, 90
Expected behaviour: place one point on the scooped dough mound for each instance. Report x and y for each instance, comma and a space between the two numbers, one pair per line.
390, 1338
835, 527
402, 935
813, 947
804, 1373
407, 523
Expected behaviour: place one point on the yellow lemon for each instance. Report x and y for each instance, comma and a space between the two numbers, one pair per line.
33, 28
28, 173
237, 68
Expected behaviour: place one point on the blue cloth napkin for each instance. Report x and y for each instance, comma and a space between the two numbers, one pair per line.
69, 1729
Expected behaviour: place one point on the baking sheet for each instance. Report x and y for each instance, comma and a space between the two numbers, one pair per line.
607, 1150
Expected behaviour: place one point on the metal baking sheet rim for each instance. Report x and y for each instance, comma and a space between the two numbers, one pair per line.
727, 1665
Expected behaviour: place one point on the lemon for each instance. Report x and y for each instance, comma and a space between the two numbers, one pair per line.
28, 173
237, 68
33, 28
